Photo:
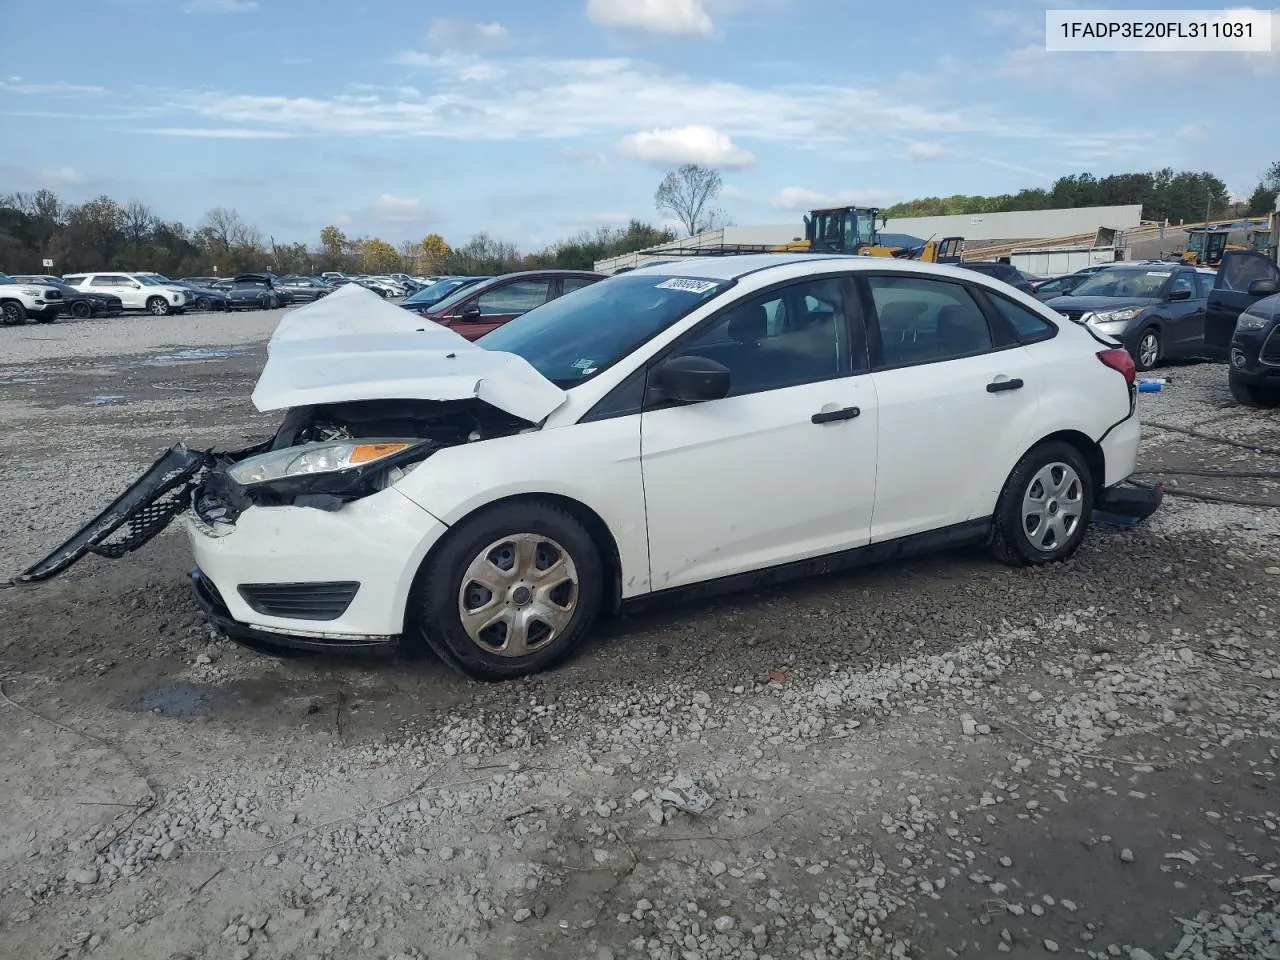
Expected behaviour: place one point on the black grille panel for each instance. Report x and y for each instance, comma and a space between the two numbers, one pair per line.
300, 601
1270, 352
1071, 314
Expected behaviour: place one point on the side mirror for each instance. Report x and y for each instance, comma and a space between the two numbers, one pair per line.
1179, 295
1262, 288
689, 379
470, 312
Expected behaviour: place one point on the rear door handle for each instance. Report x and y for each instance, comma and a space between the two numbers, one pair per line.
997, 386
830, 416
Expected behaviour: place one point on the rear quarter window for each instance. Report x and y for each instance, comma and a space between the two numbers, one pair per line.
1028, 325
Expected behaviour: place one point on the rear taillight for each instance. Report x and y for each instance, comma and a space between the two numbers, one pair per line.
1120, 360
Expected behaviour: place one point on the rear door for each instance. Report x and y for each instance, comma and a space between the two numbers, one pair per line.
957, 401
1230, 297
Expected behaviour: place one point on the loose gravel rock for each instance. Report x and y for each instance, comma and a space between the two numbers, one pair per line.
935, 758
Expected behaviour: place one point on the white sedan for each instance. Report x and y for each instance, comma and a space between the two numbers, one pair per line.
689, 427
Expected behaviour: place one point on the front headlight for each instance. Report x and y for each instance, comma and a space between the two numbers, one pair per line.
315, 458
1251, 321
31, 291
1113, 316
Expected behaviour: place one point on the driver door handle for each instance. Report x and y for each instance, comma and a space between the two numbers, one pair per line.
996, 386
831, 416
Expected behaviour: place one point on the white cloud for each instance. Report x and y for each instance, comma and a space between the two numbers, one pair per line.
586, 156
1192, 131
465, 34
224, 133
392, 209
693, 144
801, 198
220, 6
57, 88
730, 192
678, 17
62, 177
920, 151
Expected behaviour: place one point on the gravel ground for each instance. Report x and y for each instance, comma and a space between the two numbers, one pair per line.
936, 758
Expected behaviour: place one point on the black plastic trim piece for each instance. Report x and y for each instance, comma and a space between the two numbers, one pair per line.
957, 535
300, 601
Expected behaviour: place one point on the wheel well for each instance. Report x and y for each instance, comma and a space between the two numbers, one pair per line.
599, 531
1092, 453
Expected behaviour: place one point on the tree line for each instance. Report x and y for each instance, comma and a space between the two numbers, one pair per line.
1178, 197
104, 234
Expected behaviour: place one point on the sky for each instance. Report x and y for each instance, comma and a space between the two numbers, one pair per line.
533, 121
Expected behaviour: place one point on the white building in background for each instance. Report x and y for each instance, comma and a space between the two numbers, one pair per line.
1024, 225
1020, 224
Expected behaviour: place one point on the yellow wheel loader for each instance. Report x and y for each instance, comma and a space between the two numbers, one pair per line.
854, 230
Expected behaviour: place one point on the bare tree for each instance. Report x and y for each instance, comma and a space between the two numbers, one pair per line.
688, 194
227, 230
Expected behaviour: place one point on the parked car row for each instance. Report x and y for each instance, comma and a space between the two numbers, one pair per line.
474, 306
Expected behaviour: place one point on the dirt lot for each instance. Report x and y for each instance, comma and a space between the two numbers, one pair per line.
930, 759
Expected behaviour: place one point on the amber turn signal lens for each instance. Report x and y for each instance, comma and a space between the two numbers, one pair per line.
366, 452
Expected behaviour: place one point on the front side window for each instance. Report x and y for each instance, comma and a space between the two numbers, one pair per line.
1184, 281
784, 338
1204, 284
926, 321
518, 297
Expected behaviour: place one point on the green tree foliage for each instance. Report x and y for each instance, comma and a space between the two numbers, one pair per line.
1162, 193
1263, 200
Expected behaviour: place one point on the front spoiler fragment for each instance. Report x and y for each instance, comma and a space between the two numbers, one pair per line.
135, 517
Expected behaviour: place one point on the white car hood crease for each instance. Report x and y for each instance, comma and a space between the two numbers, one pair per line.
353, 345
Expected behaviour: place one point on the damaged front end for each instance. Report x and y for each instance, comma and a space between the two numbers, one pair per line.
321, 457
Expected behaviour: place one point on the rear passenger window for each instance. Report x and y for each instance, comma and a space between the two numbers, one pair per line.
926, 321
1027, 324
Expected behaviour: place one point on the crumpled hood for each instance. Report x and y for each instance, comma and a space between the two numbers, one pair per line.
353, 345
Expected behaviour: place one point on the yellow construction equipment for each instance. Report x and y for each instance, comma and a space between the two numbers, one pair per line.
855, 230
1206, 246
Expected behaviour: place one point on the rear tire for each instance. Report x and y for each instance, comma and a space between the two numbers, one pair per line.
12, 313
1249, 395
554, 570
158, 307
1044, 508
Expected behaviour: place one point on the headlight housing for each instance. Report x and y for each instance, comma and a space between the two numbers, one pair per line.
1114, 316
1251, 321
312, 458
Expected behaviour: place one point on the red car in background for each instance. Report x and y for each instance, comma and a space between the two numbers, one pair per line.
475, 310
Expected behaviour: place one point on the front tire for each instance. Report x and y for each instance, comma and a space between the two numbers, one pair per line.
82, 310
512, 590
203, 304
1250, 395
12, 313
1044, 508
1149, 349
158, 307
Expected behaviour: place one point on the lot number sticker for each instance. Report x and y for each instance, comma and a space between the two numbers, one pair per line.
687, 285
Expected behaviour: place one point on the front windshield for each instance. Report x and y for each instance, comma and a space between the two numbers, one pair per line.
438, 290
1123, 282
582, 333
5, 278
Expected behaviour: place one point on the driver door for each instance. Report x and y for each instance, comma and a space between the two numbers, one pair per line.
783, 468
1230, 297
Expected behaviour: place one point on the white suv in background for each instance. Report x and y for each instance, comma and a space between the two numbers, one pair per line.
137, 291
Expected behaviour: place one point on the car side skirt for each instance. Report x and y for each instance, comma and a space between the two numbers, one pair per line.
944, 538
